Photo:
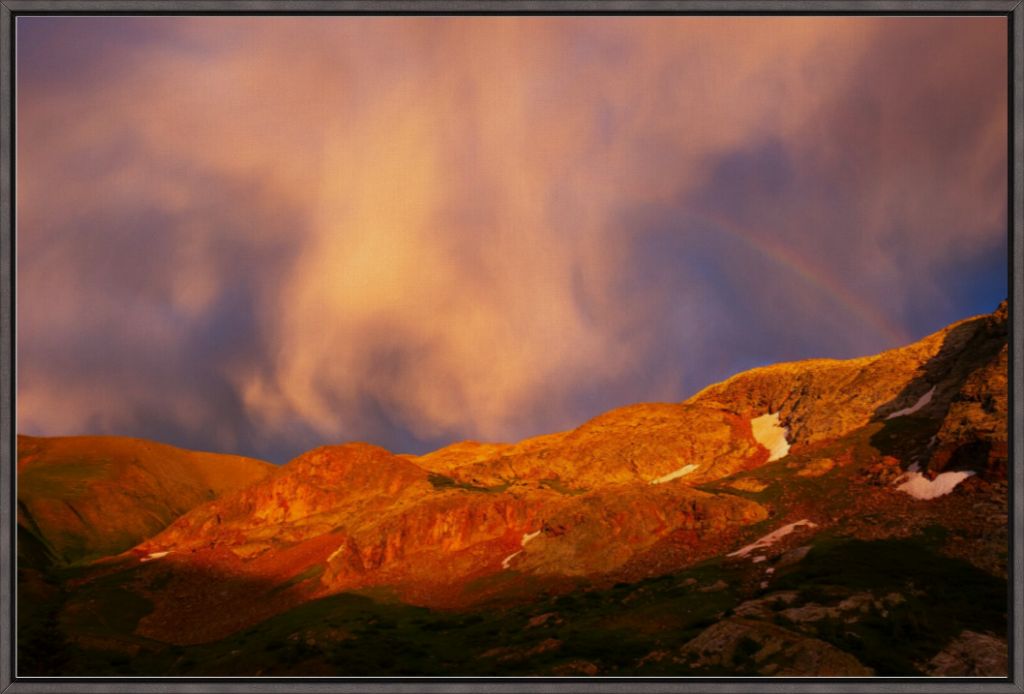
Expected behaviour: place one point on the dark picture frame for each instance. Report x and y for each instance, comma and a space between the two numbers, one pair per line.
11, 10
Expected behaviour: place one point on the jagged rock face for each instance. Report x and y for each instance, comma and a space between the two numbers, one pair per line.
824, 399
90, 496
444, 540
974, 433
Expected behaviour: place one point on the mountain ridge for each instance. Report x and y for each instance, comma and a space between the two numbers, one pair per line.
777, 458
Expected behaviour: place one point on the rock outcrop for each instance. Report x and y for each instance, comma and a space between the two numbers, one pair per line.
747, 646
971, 655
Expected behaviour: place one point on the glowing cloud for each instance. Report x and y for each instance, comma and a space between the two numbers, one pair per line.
264, 234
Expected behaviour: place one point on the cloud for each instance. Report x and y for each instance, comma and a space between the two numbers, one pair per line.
264, 234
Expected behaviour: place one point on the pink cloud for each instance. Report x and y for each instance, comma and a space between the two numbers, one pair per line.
428, 224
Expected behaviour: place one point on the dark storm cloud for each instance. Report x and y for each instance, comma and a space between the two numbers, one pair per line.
262, 235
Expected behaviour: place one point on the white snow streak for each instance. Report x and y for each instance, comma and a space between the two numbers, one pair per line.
154, 555
771, 435
921, 402
335, 553
507, 561
920, 487
676, 474
770, 539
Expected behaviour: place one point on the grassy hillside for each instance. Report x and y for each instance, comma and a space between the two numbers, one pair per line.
91, 496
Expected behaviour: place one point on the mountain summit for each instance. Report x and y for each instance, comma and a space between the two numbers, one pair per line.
785, 521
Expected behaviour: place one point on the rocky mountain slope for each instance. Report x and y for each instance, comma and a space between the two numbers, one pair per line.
92, 496
726, 534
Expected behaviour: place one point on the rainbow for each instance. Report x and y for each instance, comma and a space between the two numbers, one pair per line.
811, 275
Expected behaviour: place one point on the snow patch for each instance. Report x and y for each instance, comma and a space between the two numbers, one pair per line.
921, 402
335, 553
920, 487
508, 560
154, 555
770, 539
676, 474
770, 570
770, 434
759, 559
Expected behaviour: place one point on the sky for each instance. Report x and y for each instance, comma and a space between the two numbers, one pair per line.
259, 235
